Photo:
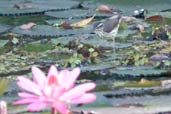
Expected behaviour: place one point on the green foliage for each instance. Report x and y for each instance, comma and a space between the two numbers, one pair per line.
123, 26
135, 58
37, 47
74, 60
163, 64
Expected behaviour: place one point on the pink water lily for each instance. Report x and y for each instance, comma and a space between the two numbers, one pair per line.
56, 90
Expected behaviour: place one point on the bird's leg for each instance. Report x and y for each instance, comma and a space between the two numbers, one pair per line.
113, 50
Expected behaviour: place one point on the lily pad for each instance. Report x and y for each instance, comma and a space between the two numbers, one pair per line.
17, 7
77, 13
3, 42
138, 72
49, 31
102, 42
62, 40
4, 28
74, 13
129, 6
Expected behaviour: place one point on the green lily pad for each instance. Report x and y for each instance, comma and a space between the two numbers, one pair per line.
49, 31
3, 42
18, 8
77, 13
138, 72
102, 42
128, 6
4, 28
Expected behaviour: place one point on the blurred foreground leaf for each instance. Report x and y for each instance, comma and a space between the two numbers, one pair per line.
3, 86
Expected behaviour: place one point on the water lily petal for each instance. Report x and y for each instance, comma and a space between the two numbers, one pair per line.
26, 95
25, 101
61, 107
52, 71
63, 77
28, 85
86, 98
72, 78
37, 106
77, 91
38, 76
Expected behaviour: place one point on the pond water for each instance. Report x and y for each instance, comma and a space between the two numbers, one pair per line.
136, 74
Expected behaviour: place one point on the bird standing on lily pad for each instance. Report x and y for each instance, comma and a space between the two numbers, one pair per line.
108, 29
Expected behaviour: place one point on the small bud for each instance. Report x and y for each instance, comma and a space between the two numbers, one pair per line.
3, 107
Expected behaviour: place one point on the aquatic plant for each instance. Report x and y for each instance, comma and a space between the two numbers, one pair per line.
56, 90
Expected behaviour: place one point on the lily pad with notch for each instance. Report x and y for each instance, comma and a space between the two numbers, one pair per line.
77, 13
138, 72
49, 31
18, 8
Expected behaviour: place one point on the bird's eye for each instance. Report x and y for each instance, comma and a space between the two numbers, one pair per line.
100, 25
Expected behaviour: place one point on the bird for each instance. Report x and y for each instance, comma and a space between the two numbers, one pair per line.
108, 28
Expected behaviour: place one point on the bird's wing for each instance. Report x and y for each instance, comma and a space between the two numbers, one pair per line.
111, 23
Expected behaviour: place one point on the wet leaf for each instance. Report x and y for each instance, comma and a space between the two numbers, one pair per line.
82, 23
142, 83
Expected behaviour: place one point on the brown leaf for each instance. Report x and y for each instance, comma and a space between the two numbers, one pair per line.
104, 9
66, 25
27, 26
82, 23
157, 18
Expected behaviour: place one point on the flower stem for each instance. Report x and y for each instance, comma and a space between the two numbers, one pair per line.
53, 111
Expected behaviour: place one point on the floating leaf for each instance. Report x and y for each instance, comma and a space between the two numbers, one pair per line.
4, 28
49, 31
82, 23
142, 83
3, 86
33, 7
3, 42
